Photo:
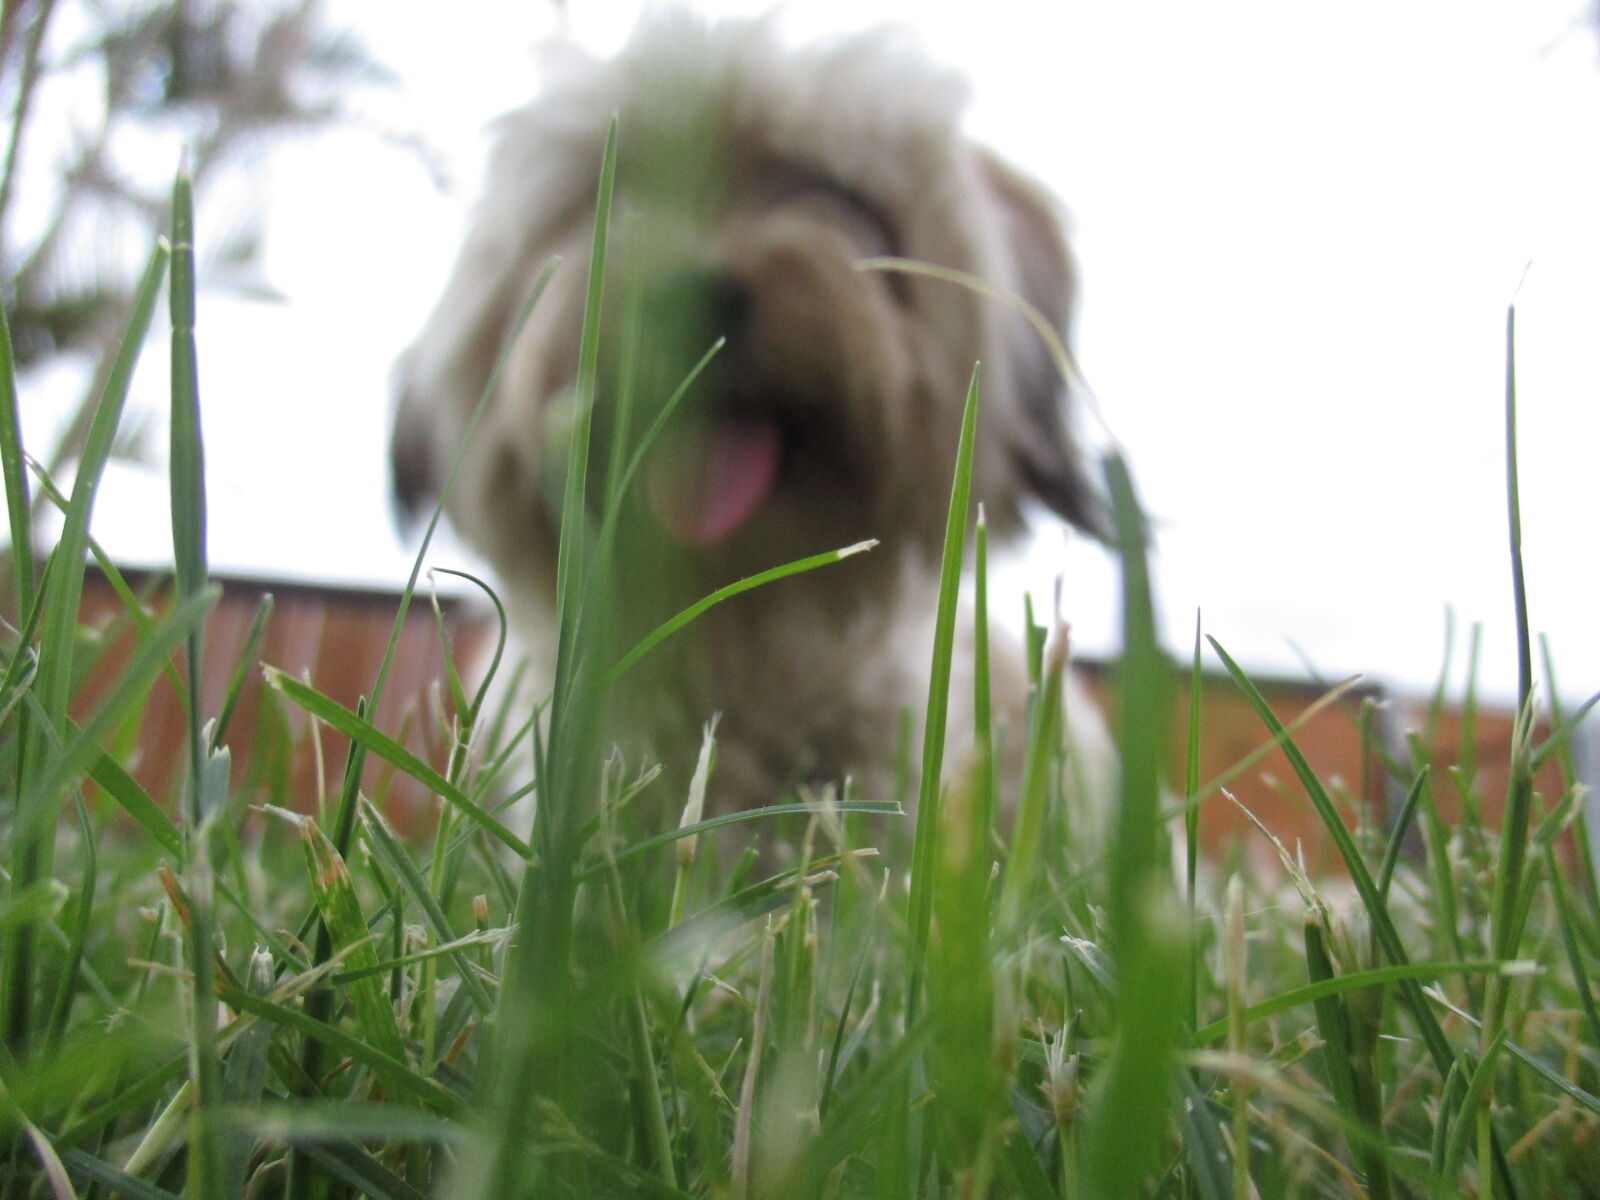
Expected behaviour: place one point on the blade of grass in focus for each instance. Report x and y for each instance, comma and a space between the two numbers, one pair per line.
933, 737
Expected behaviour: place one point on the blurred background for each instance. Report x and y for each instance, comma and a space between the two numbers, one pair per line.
1299, 228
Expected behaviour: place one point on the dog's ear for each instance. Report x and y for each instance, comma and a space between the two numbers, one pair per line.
413, 463
1042, 443
437, 381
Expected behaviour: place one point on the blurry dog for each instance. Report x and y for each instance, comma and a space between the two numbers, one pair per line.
752, 180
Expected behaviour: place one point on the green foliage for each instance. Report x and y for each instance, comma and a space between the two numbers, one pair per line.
201, 1002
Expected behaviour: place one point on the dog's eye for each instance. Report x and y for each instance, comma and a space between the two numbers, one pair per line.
874, 216
872, 230
867, 222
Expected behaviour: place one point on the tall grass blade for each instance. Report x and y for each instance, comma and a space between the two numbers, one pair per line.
1134, 1097
537, 1006
186, 476
1506, 921
187, 462
32, 851
927, 818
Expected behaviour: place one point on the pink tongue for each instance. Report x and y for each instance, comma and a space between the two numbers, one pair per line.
705, 490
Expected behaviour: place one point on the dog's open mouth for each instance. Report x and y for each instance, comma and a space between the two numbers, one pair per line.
706, 485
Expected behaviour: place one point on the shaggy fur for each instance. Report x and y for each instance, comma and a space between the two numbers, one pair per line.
752, 180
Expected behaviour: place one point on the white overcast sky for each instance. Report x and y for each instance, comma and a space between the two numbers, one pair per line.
1299, 227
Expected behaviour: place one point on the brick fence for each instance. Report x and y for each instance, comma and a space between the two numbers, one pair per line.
336, 638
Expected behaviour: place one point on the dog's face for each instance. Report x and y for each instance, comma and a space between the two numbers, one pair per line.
751, 185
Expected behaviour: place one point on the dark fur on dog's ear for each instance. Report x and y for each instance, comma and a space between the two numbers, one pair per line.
1044, 446
414, 481
438, 381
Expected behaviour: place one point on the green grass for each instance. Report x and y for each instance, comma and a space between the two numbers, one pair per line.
248, 992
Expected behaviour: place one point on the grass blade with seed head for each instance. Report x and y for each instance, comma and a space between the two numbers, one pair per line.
341, 914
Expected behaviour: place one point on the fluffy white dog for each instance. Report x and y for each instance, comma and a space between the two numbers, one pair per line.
752, 181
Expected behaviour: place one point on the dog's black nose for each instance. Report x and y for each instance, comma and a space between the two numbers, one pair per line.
716, 301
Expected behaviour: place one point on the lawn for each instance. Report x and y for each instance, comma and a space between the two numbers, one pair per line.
243, 991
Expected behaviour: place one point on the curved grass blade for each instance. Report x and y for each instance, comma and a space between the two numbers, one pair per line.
472, 710
667, 628
856, 1115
